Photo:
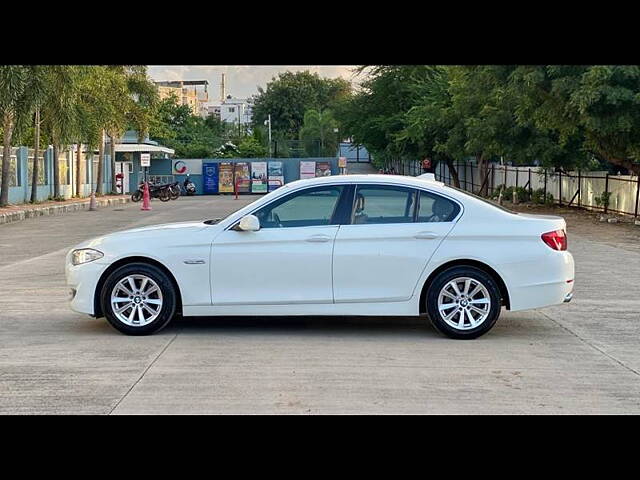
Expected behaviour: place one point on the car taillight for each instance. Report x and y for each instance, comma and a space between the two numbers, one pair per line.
556, 239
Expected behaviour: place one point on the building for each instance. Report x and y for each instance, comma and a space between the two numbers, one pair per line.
128, 150
232, 110
187, 93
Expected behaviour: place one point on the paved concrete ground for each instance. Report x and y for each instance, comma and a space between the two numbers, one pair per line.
577, 358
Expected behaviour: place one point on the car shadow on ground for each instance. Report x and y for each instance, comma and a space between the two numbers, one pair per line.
306, 325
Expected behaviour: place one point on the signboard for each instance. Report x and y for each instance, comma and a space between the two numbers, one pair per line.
145, 159
307, 169
225, 175
275, 173
259, 177
210, 178
342, 162
323, 169
242, 177
426, 164
182, 167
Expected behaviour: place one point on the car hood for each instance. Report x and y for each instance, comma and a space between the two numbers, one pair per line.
167, 232
184, 227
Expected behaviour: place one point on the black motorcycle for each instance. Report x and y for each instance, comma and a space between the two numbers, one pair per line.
174, 190
161, 192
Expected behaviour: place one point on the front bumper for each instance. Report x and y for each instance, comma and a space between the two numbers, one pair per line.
82, 281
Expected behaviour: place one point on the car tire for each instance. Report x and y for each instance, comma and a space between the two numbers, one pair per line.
158, 290
453, 313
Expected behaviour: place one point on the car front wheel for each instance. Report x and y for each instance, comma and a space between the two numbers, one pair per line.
463, 302
138, 299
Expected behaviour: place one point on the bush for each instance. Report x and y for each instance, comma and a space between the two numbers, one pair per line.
603, 199
521, 192
538, 197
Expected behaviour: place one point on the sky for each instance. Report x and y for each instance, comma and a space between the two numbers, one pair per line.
241, 81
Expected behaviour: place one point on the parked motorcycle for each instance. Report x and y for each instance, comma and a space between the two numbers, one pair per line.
174, 190
161, 192
189, 186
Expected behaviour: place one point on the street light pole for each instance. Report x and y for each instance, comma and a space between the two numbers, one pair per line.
268, 121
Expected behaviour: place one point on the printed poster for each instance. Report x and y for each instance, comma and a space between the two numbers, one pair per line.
276, 175
242, 177
259, 177
323, 169
210, 178
307, 169
226, 178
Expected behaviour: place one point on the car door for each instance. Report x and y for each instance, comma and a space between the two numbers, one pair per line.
394, 231
288, 260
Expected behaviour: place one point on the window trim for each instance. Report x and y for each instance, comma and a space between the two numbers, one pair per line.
349, 190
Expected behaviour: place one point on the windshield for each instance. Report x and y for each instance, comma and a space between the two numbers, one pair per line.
485, 200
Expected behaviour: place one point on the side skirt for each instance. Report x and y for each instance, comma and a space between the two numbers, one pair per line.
404, 309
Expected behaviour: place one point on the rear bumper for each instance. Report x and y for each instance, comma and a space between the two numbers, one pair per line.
542, 283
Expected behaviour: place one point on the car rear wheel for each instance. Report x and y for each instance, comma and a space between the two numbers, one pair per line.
463, 302
138, 299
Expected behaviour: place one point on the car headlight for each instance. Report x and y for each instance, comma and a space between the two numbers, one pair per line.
85, 255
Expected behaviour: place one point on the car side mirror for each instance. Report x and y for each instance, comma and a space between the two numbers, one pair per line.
249, 223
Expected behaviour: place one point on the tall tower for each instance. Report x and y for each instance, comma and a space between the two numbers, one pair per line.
222, 89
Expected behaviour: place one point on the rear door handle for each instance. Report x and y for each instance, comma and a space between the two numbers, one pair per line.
426, 235
319, 238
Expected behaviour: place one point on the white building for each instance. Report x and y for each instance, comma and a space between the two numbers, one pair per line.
232, 110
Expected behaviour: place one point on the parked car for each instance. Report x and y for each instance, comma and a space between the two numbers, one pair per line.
342, 245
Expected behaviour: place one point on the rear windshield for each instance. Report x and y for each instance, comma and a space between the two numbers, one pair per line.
485, 200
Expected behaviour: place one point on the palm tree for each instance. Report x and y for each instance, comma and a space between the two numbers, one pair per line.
318, 129
59, 114
15, 109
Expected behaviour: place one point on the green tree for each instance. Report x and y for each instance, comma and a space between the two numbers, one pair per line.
16, 107
317, 133
189, 135
375, 116
250, 147
598, 104
289, 96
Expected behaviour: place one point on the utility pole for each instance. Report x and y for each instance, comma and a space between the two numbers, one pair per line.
268, 122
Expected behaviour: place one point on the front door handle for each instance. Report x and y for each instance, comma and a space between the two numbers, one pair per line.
426, 235
318, 238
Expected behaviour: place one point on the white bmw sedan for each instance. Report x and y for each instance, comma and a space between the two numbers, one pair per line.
343, 245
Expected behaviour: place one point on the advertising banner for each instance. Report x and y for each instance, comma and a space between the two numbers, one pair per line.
210, 178
307, 169
182, 167
323, 169
225, 174
275, 173
259, 177
242, 177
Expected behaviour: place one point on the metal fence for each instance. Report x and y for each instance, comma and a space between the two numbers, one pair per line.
590, 190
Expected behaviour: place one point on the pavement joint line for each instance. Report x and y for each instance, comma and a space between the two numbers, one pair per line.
34, 259
611, 357
143, 373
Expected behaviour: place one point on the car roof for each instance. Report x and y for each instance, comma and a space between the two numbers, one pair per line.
371, 178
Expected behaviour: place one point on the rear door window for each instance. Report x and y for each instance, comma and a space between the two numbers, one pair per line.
377, 204
434, 208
